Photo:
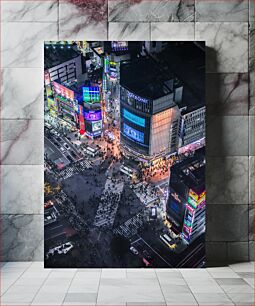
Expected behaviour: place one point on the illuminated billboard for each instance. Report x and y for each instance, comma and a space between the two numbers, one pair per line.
93, 115
133, 134
96, 126
63, 91
119, 45
133, 118
91, 94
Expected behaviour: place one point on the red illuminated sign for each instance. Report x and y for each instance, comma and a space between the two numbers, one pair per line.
63, 91
82, 124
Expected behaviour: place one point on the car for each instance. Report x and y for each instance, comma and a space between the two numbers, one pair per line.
153, 212
134, 250
62, 149
66, 146
58, 139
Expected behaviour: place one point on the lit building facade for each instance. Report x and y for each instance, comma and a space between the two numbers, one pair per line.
192, 126
185, 208
149, 128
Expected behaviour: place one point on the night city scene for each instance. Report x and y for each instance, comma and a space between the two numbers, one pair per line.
124, 154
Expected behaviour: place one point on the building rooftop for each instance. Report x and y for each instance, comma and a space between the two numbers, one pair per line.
56, 54
143, 77
189, 172
187, 61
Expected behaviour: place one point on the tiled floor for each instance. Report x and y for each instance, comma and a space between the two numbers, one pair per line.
28, 283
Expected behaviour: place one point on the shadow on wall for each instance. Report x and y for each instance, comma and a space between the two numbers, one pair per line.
226, 225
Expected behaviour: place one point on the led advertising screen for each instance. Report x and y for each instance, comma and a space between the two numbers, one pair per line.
92, 115
133, 134
133, 118
91, 94
96, 126
63, 91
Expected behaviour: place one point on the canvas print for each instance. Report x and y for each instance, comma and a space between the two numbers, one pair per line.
124, 154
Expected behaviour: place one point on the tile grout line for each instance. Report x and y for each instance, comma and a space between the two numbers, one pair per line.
69, 286
40, 287
98, 286
160, 287
15, 280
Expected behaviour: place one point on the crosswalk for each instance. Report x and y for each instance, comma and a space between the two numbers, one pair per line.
131, 226
107, 208
74, 169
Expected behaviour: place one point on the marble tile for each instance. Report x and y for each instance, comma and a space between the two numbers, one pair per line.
220, 142
238, 251
227, 180
213, 299
180, 299
22, 189
227, 94
251, 180
220, 220
22, 142
251, 135
234, 10
175, 31
44, 298
83, 20
22, 237
251, 10
241, 299
83, 298
222, 272
226, 43
84, 285
153, 10
251, 222
216, 253
251, 250
128, 31
251, 69
25, 48
114, 273
22, 93
243, 267
29, 11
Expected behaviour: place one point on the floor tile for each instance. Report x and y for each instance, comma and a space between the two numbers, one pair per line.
222, 272
213, 299
242, 299
181, 299
88, 298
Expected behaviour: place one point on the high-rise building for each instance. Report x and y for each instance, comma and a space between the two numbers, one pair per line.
148, 112
186, 202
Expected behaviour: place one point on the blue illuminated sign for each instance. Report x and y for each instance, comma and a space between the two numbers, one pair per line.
133, 118
91, 94
133, 134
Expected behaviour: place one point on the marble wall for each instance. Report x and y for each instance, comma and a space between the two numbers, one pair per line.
226, 26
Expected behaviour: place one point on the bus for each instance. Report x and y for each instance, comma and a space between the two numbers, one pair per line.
91, 151
128, 171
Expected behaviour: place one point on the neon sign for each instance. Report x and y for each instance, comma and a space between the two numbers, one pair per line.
176, 197
133, 118
63, 91
137, 98
91, 94
133, 134
93, 115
